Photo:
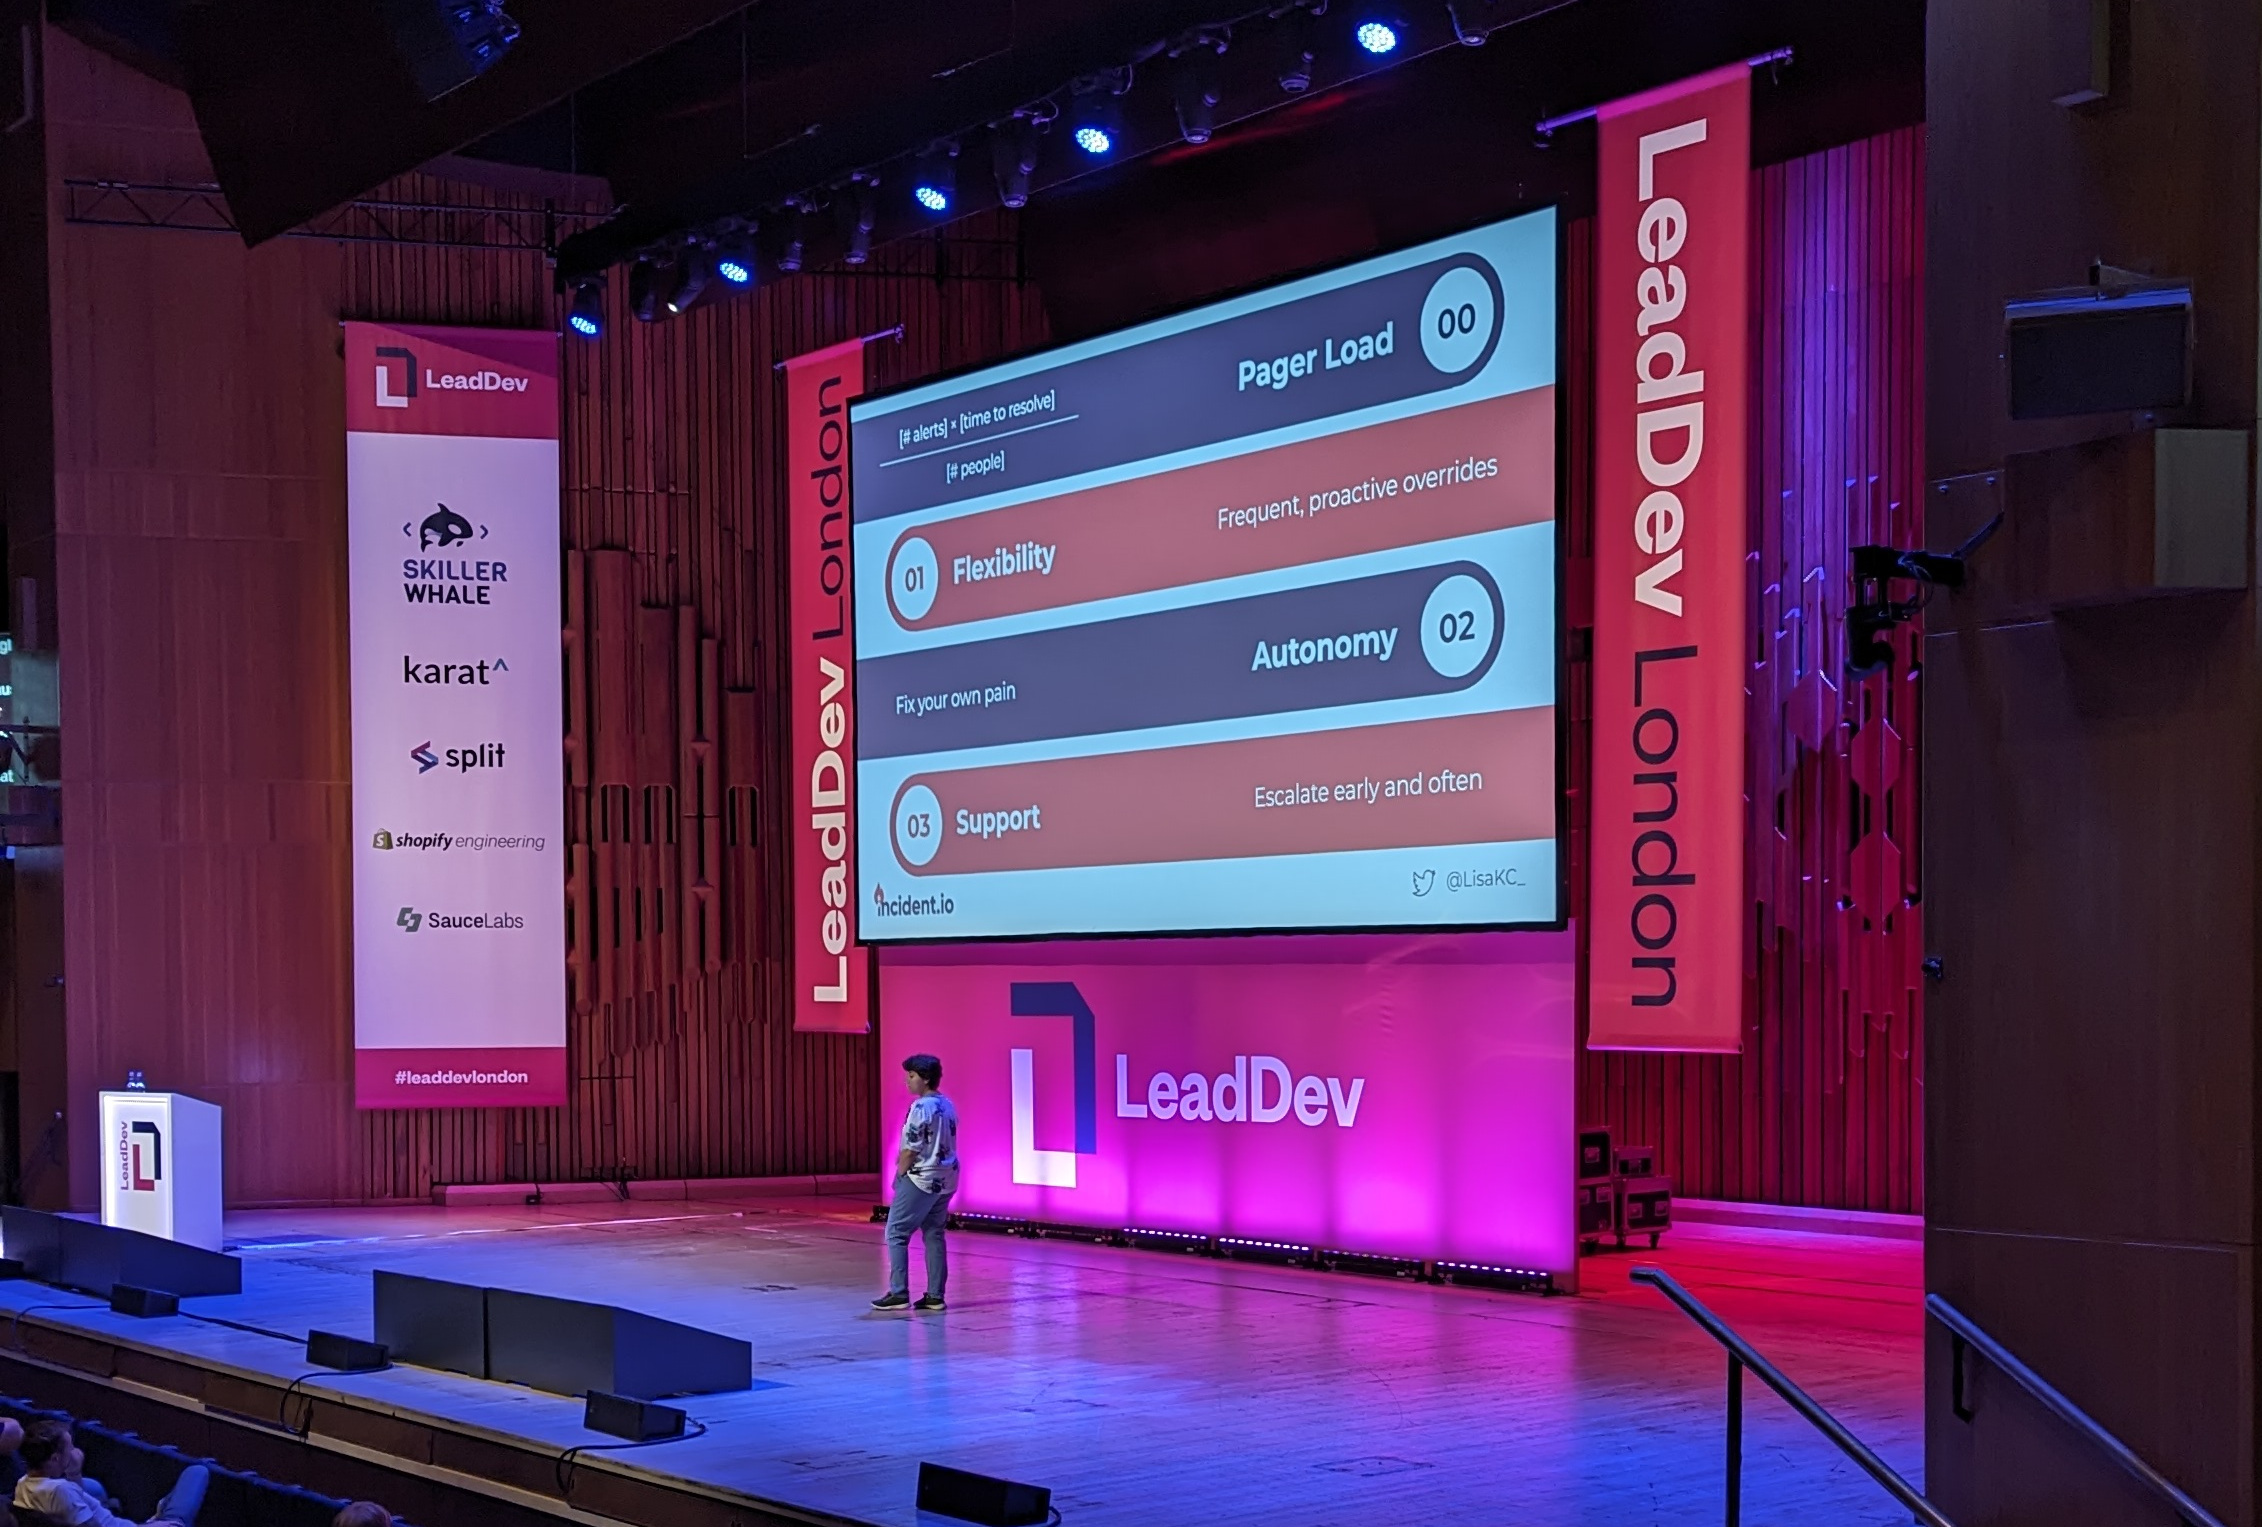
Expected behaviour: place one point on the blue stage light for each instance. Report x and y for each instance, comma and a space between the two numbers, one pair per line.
1095, 120
1094, 140
734, 268
587, 315
1377, 37
934, 179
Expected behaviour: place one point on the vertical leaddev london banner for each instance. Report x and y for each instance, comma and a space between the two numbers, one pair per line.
458, 771
829, 968
1672, 300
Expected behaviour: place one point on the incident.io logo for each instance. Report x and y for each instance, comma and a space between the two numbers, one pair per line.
1252, 1089
934, 904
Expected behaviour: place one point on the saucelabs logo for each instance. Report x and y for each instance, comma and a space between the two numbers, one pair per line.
1252, 1089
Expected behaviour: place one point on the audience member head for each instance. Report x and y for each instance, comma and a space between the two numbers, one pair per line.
363, 1513
49, 1450
11, 1434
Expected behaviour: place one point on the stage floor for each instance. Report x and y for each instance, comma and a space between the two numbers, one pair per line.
1144, 1387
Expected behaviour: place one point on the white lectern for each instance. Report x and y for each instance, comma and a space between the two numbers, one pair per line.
161, 1166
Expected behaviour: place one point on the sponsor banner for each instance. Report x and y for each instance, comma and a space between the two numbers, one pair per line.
458, 774
1672, 312
830, 975
1399, 1095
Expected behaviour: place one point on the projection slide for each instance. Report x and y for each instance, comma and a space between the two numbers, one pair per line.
1242, 619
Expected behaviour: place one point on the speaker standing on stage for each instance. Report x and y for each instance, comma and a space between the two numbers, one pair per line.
926, 1174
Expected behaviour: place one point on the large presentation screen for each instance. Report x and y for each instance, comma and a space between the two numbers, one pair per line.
1239, 620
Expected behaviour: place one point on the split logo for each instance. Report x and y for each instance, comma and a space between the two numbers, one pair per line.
386, 396
1259, 1089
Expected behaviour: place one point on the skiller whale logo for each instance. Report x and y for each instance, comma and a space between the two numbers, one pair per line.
426, 759
444, 528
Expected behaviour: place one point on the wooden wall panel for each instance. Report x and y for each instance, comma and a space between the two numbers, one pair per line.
200, 492
1825, 1104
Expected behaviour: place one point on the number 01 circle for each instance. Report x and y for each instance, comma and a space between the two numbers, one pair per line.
918, 826
911, 578
1457, 626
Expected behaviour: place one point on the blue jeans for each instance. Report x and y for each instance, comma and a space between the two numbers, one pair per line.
915, 1208
186, 1498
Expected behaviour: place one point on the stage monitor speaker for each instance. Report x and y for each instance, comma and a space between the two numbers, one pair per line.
11, 1268
2125, 352
431, 1322
346, 1354
979, 1498
617, 1415
125, 1299
570, 1346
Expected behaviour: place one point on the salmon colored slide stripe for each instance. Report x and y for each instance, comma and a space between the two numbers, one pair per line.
1164, 531
1479, 779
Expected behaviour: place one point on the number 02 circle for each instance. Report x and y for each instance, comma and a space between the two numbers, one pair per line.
1457, 626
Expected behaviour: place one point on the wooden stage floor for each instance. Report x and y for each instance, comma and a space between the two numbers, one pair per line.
1144, 1387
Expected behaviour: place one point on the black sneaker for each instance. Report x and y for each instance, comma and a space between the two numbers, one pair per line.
929, 1302
891, 1301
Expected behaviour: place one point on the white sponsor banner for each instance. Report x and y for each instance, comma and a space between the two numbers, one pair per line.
458, 771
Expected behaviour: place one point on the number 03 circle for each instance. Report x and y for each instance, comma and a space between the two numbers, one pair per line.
918, 826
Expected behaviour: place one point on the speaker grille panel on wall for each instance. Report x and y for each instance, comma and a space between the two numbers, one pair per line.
2109, 353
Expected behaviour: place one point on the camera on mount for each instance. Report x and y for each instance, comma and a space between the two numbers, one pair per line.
1872, 616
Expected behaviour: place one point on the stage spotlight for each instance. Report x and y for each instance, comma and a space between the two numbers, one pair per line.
1299, 26
1095, 121
650, 283
1376, 37
1196, 91
587, 315
734, 255
693, 267
934, 180
796, 238
863, 211
1013, 158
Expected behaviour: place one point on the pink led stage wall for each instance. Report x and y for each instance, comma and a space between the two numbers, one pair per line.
1397, 1095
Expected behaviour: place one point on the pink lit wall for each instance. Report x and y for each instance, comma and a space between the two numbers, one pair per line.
1399, 1095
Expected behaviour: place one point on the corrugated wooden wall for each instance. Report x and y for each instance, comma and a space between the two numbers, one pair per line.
684, 1059
200, 514
1826, 1104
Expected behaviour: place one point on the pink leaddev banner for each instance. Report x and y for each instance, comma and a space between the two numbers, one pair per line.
829, 969
452, 571
1397, 1095
1668, 906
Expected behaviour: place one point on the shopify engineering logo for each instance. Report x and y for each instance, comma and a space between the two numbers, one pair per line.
1041, 1168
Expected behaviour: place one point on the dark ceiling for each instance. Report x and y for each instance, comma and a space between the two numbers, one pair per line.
695, 110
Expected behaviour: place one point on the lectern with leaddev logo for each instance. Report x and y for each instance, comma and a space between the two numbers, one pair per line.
161, 1166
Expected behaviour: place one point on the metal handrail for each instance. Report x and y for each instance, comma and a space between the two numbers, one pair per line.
1742, 1355
1964, 1332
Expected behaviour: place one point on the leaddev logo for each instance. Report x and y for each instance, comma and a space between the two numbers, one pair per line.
487, 379
1259, 1089
387, 397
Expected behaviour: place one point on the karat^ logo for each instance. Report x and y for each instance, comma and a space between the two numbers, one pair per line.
443, 528
410, 920
426, 759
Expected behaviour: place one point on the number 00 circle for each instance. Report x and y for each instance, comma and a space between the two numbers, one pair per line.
911, 578
1457, 626
918, 826
1457, 320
